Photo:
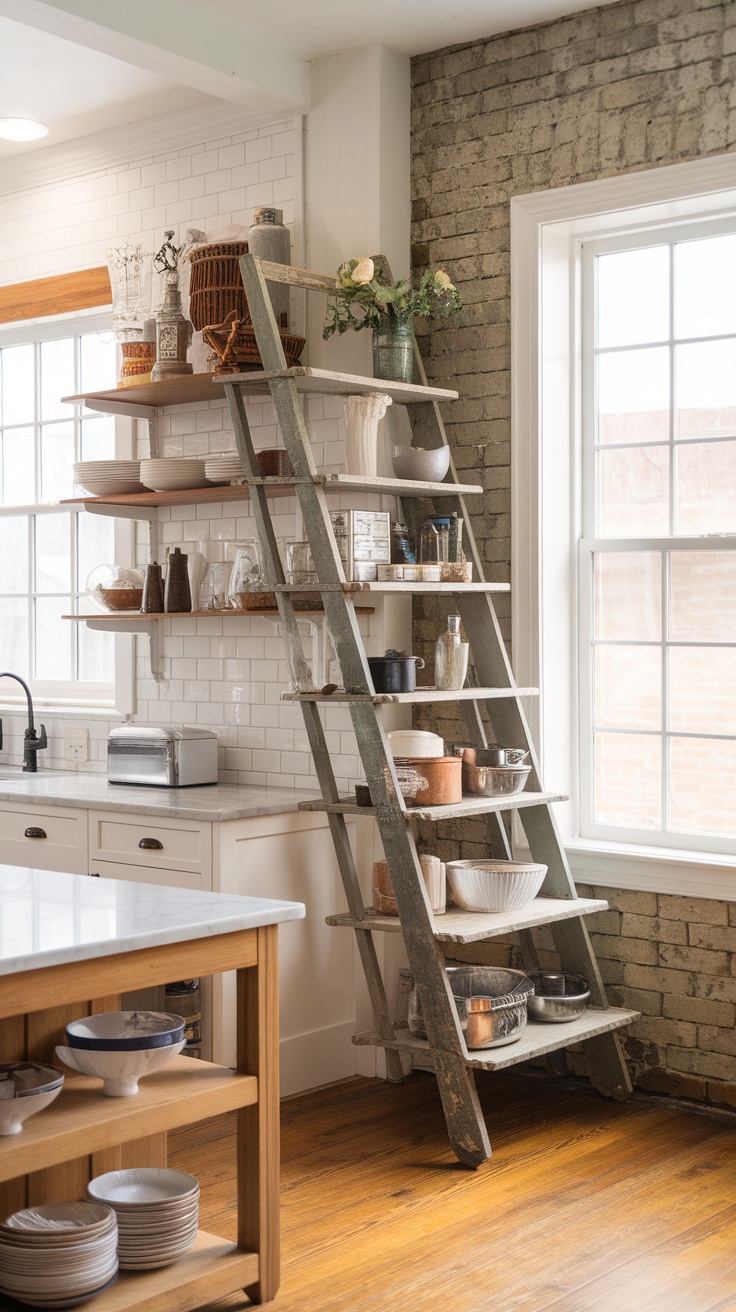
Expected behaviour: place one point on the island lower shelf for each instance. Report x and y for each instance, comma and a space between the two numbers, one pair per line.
213, 1268
183, 1092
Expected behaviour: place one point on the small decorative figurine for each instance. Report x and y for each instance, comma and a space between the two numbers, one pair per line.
173, 331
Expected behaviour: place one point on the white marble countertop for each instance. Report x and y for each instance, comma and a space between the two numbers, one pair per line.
48, 918
92, 791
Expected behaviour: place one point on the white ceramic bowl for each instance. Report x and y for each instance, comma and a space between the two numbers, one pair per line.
415, 742
421, 466
169, 475
140, 1187
494, 885
119, 1071
14, 1111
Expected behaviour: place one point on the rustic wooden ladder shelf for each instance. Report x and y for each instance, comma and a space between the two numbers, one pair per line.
559, 906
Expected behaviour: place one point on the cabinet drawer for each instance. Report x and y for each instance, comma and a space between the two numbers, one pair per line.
183, 845
150, 875
51, 839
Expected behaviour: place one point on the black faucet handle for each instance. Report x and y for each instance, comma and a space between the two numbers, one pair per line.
35, 742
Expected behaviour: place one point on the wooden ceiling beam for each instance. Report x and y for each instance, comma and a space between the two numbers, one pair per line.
62, 294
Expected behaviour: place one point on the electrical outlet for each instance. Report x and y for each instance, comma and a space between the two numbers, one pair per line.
76, 744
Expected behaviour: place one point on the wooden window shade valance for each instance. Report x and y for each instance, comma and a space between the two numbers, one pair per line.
62, 294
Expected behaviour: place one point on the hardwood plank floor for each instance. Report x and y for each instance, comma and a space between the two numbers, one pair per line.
586, 1205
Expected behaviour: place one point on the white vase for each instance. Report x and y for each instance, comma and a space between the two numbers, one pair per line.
362, 417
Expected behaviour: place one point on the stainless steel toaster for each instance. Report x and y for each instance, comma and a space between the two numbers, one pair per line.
161, 757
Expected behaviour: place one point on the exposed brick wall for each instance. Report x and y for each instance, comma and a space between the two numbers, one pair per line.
609, 91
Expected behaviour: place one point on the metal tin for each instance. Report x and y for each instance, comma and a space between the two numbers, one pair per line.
364, 541
161, 757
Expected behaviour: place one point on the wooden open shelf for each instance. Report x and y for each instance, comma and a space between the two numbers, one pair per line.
213, 1268
280, 487
135, 616
457, 926
211, 387
183, 1092
536, 1040
469, 806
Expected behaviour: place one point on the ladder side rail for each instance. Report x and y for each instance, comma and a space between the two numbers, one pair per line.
465, 1121
301, 671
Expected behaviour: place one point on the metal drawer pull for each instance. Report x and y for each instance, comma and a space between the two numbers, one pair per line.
34, 832
151, 845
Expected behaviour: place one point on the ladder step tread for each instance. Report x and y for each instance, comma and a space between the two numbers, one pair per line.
536, 1040
457, 810
457, 926
418, 696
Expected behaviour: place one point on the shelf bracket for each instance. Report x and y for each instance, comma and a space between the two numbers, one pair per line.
143, 625
146, 513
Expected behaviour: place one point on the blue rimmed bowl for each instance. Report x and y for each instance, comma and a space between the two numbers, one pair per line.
125, 1031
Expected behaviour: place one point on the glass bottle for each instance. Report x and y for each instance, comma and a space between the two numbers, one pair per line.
451, 657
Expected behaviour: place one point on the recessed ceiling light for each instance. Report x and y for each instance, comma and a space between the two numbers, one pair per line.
22, 129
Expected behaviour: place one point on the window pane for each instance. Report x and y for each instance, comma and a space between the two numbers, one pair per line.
14, 553
633, 297
53, 562
633, 492
708, 265
53, 638
705, 389
98, 438
57, 458
699, 802
706, 488
96, 654
634, 396
57, 377
14, 634
702, 691
628, 596
97, 359
19, 464
703, 596
628, 687
95, 545
18, 389
628, 771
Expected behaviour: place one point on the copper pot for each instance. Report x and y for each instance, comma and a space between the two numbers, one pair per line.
444, 775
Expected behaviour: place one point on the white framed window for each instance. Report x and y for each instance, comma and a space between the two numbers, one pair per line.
624, 518
49, 549
657, 576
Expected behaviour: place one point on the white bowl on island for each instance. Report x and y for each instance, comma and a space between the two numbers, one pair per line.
119, 1071
26, 1087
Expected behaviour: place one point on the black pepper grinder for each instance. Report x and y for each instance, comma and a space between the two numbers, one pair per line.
178, 596
153, 590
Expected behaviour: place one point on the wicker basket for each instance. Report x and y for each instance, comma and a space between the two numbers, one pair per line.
216, 287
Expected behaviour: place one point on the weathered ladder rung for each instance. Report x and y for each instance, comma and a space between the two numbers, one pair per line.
457, 926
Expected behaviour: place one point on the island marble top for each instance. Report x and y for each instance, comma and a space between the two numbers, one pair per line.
49, 918
90, 791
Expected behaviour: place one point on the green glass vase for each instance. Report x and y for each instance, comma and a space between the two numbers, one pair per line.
393, 350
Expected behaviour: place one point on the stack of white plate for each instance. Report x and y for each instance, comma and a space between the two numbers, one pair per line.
172, 474
157, 1211
106, 478
58, 1254
224, 469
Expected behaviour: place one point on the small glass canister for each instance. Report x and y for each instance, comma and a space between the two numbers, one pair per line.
451, 657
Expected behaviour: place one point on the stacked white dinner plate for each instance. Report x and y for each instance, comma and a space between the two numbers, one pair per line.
157, 1211
105, 478
224, 469
172, 474
58, 1255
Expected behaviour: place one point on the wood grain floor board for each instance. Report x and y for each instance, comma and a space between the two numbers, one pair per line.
581, 1202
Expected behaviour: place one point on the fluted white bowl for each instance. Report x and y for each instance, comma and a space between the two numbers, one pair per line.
494, 885
119, 1071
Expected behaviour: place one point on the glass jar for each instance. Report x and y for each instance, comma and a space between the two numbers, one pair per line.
247, 571
434, 540
451, 657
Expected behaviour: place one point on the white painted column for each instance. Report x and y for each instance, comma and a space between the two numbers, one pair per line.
357, 202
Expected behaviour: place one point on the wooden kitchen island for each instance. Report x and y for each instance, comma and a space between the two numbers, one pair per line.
69, 946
